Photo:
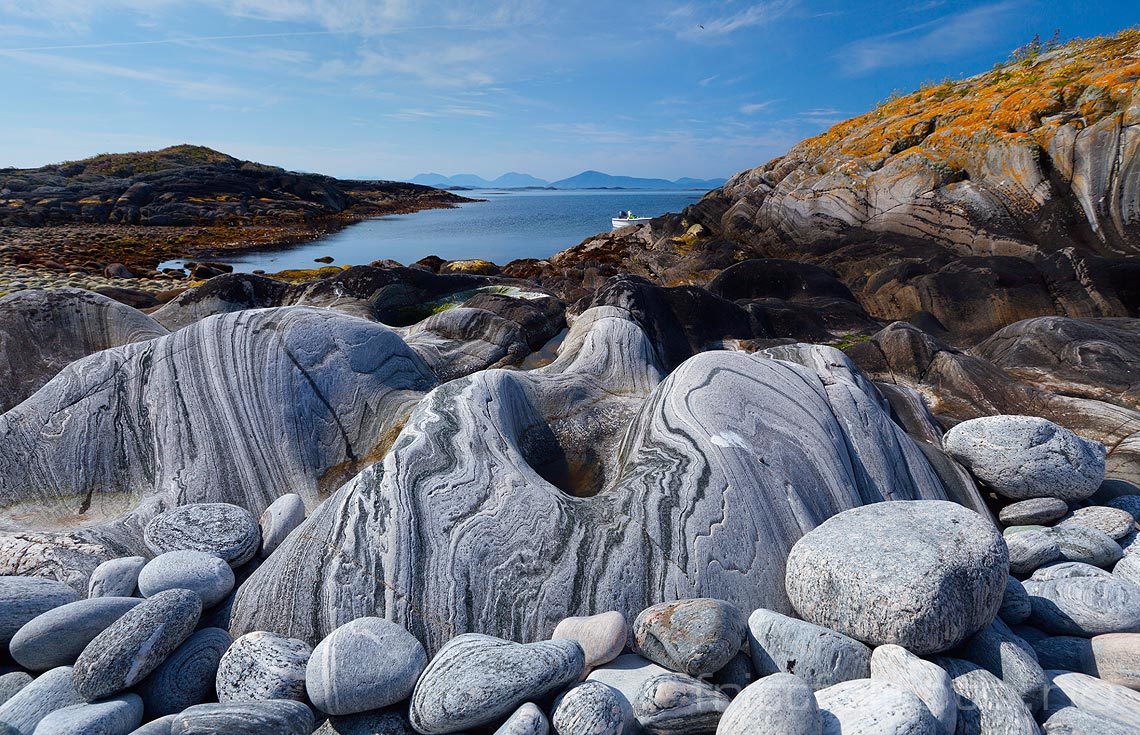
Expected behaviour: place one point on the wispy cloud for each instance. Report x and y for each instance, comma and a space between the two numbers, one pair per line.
702, 23
418, 113
753, 107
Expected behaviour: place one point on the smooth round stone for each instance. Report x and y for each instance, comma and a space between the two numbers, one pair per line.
1086, 545
924, 574
526, 720
187, 677
278, 521
1023, 457
135, 644
1117, 658
1128, 569
591, 708
1101, 698
1068, 570
48, 692
1033, 512
380, 722
116, 577
1075, 721
261, 666
117, 716
269, 717
1015, 608
1113, 522
780, 704
677, 704
695, 636
221, 529
626, 674
1031, 550
1068, 652
930, 683
1084, 606
998, 650
363, 665
23, 598
601, 636
58, 636
1130, 503
478, 679
13, 682
869, 707
818, 655
161, 726
203, 573
986, 706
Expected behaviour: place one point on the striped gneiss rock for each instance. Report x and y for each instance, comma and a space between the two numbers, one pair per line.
227, 531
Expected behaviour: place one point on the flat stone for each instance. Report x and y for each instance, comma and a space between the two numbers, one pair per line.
779, 704
930, 683
601, 636
23, 598
1075, 721
269, 717
135, 644
526, 720
221, 529
49, 691
187, 677
1035, 511
13, 682
1101, 698
1015, 608
868, 707
1130, 503
1022, 457
590, 708
1031, 550
818, 655
998, 650
986, 705
694, 636
206, 574
58, 636
924, 574
1084, 606
678, 704
116, 716
364, 665
262, 665
1128, 569
477, 679
1086, 545
278, 521
116, 577
1114, 522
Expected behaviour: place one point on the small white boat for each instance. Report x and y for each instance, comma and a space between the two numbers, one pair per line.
627, 219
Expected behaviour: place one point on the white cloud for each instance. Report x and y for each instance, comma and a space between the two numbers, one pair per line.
698, 23
754, 107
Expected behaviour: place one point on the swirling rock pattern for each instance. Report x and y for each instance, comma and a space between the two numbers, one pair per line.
986, 705
590, 708
1000, 651
930, 683
1097, 697
227, 531
271, 717
526, 720
677, 704
187, 677
1084, 605
1031, 550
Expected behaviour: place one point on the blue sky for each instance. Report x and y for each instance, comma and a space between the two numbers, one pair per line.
390, 88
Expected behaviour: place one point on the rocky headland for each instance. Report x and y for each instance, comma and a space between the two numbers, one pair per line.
850, 446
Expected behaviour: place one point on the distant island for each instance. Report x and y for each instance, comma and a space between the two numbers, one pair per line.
584, 180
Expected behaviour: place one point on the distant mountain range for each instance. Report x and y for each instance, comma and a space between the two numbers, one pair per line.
584, 180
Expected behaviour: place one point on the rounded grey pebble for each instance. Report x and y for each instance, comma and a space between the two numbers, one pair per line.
818, 655
927, 681
1086, 545
135, 644
677, 704
48, 692
187, 677
526, 720
1128, 569
58, 636
1015, 608
780, 704
1032, 512
1075, 721
267, 717
1130, 503
694, 636
1110, 701
1113, 522
626, 674
161, 726
23, 598
601, 636
869, 707
278, 521
221, 529
116, 577
985, 704
263, 666
1001, 652
117, 716
380, 722
13, 682
591, 708
1068, 652
1084, 606
363, 665
1031, 550
1068, 570
206, 574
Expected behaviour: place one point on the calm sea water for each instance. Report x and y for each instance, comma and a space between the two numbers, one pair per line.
508, 225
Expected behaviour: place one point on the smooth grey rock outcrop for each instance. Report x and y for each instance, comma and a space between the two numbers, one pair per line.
986, 706
1022, 457
279, 520
1086, 545
1114, 522
116, 577
602, 636
590, 708
221, 529
24, 598
526, 720
135, 644
1097, 697
477, 679
206, 574
364, 665
1031, 550
923, 574
1084, 605
462, 340
58, 636
1076, 721
269, 717
869, 707
1000, 651
115, 716
693, 636
779, 704
187, 677
1015, 606
818, 655
1033, 512
678, 704
262, 665
49, 691
927, 681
